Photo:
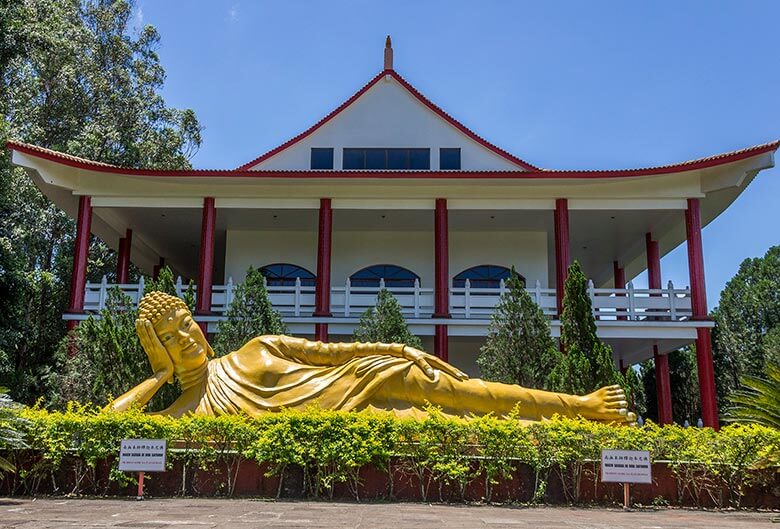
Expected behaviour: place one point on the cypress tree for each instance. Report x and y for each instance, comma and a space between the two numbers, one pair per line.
250, 314
385, 323
519, 348
586, 363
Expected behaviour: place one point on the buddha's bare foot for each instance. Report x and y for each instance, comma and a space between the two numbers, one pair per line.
608, 404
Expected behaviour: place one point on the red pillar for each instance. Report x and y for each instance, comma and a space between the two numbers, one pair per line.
441, 254
206, 266
619, 275
322, 288
157, 268
562, 257
709, 402
123, 257
663, 387
78, 280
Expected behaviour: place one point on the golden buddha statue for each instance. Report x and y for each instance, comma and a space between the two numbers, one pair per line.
270, 373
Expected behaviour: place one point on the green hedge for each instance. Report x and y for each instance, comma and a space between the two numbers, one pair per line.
331, 447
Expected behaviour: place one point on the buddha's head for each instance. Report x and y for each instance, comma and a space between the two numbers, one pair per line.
180, 335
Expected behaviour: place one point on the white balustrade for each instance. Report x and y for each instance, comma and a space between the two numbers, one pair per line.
467, 302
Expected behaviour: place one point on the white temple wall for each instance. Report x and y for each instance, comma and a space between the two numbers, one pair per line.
354, 250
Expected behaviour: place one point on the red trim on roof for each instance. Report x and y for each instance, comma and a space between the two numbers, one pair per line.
701, 163
412, 90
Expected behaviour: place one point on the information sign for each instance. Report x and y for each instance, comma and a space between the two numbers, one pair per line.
626, 466
142, 455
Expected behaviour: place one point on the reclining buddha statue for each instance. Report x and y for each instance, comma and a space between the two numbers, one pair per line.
270, 373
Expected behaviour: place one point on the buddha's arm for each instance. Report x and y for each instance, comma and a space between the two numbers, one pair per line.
140, 394
331, 354
335, 354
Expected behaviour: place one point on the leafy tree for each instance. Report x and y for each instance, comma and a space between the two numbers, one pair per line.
759, 399
103, 358
74, 77
519, 348
385, 323
684, 382
586, 363
747, 323
250, 314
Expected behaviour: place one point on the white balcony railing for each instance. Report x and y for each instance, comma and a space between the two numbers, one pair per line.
632, 304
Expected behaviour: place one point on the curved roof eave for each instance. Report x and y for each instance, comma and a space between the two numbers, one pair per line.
690, 165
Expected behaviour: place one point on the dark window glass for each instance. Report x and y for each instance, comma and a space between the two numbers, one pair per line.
394, 276
284, 274
376, 159
397, 158
354, 158
321, 158
483, 276
418, 159
449, 159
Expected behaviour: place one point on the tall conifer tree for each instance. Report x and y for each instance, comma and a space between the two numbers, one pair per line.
250, 314
385, 323
519, 348
586, 363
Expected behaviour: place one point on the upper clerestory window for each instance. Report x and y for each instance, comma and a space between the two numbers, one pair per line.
322, 158
415, 159
449, 159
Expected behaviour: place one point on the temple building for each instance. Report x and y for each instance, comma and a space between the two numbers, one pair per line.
389, 190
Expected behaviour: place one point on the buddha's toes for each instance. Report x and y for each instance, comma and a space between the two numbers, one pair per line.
608, 404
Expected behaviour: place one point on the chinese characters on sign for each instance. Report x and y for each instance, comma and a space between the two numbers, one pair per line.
142, 455
626, 466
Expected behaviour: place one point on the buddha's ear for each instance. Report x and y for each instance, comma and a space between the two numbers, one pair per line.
209, 351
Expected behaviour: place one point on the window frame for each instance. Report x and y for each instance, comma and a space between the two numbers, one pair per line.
442, 150
289, 280
390, 282
320, 150
364, 153
459, 279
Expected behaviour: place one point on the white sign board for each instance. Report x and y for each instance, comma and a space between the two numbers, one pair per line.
626, 466
142, 455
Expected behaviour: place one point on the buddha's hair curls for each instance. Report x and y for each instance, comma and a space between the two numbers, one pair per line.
155, 305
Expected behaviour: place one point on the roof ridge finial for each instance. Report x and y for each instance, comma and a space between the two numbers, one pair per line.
388, 53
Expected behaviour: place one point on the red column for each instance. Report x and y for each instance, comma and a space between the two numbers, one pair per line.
123, 257
322, 288
619, 275
441, 255
78, 280
709, 402
562, 258
206, 266
157, 268
663, 387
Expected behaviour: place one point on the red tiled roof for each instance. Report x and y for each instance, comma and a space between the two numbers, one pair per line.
412, 90
690, 165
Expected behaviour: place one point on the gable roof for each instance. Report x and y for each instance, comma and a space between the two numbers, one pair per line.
417, 95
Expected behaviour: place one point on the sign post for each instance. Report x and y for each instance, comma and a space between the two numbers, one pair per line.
142, 455
626, 467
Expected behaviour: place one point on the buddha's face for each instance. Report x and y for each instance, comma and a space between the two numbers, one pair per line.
183, 339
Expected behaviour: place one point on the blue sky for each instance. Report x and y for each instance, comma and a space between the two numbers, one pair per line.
568, 85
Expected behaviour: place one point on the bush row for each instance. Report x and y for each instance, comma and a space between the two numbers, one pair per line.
331, 447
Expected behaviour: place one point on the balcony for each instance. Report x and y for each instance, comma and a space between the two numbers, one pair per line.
296, 302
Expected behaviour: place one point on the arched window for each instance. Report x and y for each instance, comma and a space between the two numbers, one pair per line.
394, 276
284, 274
483, 276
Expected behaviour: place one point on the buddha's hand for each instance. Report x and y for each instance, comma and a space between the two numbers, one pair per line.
429, 364
161, 362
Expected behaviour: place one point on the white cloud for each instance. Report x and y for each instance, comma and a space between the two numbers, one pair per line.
233, 13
